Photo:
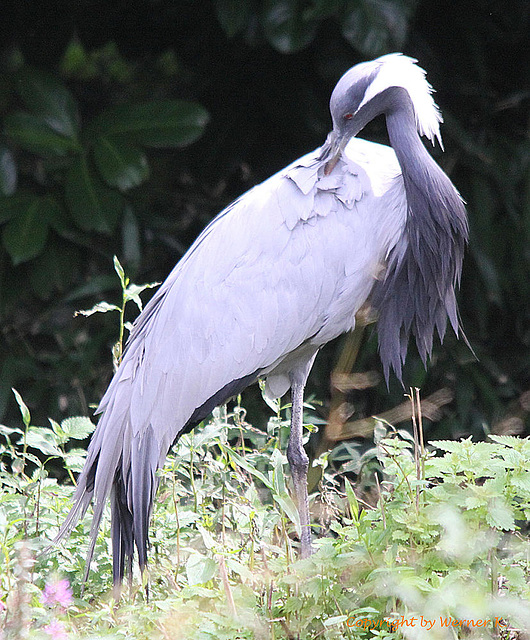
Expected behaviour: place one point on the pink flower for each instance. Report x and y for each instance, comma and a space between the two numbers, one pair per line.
56, 630
57, 593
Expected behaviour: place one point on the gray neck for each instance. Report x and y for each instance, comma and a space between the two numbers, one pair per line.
421, 174
417, 294
415, 161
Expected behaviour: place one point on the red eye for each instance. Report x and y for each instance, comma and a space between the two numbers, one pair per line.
348, 116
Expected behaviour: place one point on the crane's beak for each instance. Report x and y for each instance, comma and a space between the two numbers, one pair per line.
336, 147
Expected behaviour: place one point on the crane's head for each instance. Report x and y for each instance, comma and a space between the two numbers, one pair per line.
363, 93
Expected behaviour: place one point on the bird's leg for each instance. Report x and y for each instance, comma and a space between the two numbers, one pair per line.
299, 463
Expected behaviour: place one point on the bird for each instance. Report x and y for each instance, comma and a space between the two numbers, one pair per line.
275, 276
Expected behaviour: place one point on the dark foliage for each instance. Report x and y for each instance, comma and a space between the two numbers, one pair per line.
105, 148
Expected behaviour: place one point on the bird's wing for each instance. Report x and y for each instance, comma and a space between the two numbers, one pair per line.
290, 261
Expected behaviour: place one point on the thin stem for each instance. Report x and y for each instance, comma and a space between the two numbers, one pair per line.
175, 505
416, 447
192, 477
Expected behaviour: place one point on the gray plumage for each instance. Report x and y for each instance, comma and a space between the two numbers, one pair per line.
274, 277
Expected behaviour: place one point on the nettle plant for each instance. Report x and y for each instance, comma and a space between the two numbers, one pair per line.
445, 541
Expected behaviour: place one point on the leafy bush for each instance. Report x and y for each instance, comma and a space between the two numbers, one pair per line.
445, 542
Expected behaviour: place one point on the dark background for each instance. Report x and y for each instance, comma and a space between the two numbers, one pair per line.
264, 71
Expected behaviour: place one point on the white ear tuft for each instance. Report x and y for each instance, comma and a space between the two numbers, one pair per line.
397, 70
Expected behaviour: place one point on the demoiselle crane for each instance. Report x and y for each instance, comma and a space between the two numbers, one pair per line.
275, 276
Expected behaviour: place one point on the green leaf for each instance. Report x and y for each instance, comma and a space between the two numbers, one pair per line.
521, 480
500, 516
121, 165
9, 431
78, 427
286, 28
507, 441
289, 508
133, 292
26, 416
352, 500
374, 27
25, 235
8, 172
161, 123
334, 620
244, 464
233, 15
44, 440
199, 569
46, 97
120, 271
100, 307
76, 61
34, 134
74, 459
93, 205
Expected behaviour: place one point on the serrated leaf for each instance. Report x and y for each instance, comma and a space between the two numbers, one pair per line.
447, 445
286, 27
521, 480
34, 134
200, 569
474, 502
25, 235
162, 123
133, 292
120, 164
75, 459
8, 172
399, 534
508, 441
500, 516
93, 205
47, 97
77, 427
99, 307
